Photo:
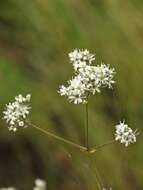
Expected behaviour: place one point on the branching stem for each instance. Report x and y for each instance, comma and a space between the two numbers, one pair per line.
66, 141
50, 134
97, 148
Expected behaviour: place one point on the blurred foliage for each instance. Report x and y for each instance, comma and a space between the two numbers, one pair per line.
35, 38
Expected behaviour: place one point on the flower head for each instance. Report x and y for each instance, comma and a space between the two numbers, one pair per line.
40, 184
125, 134
16, 112
88, 79
75, 91
80, 58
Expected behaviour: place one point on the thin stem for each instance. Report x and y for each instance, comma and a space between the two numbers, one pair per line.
96, 173
58, 137
98, 177
86, 125
102, 146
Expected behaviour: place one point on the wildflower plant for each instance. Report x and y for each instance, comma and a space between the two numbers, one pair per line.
88, 79
125, 134
16, 112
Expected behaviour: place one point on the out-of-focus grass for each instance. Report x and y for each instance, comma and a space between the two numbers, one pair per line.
35, 38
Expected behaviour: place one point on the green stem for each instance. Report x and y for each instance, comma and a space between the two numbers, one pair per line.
58, 137
97, 148
87, 126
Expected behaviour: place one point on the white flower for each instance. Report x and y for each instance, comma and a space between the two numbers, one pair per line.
40, 184
125, 134
75, 91
22, 99
79, 58
105, 75
63, 90
16, 112
88, 79
96, 77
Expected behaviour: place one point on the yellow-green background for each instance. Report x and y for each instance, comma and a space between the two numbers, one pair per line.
35, 38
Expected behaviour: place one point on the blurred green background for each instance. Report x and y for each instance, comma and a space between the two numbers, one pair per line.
35, 38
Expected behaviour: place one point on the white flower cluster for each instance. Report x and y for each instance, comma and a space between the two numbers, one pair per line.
125, 134
17, 111
80, 58
40, 184
88, 79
